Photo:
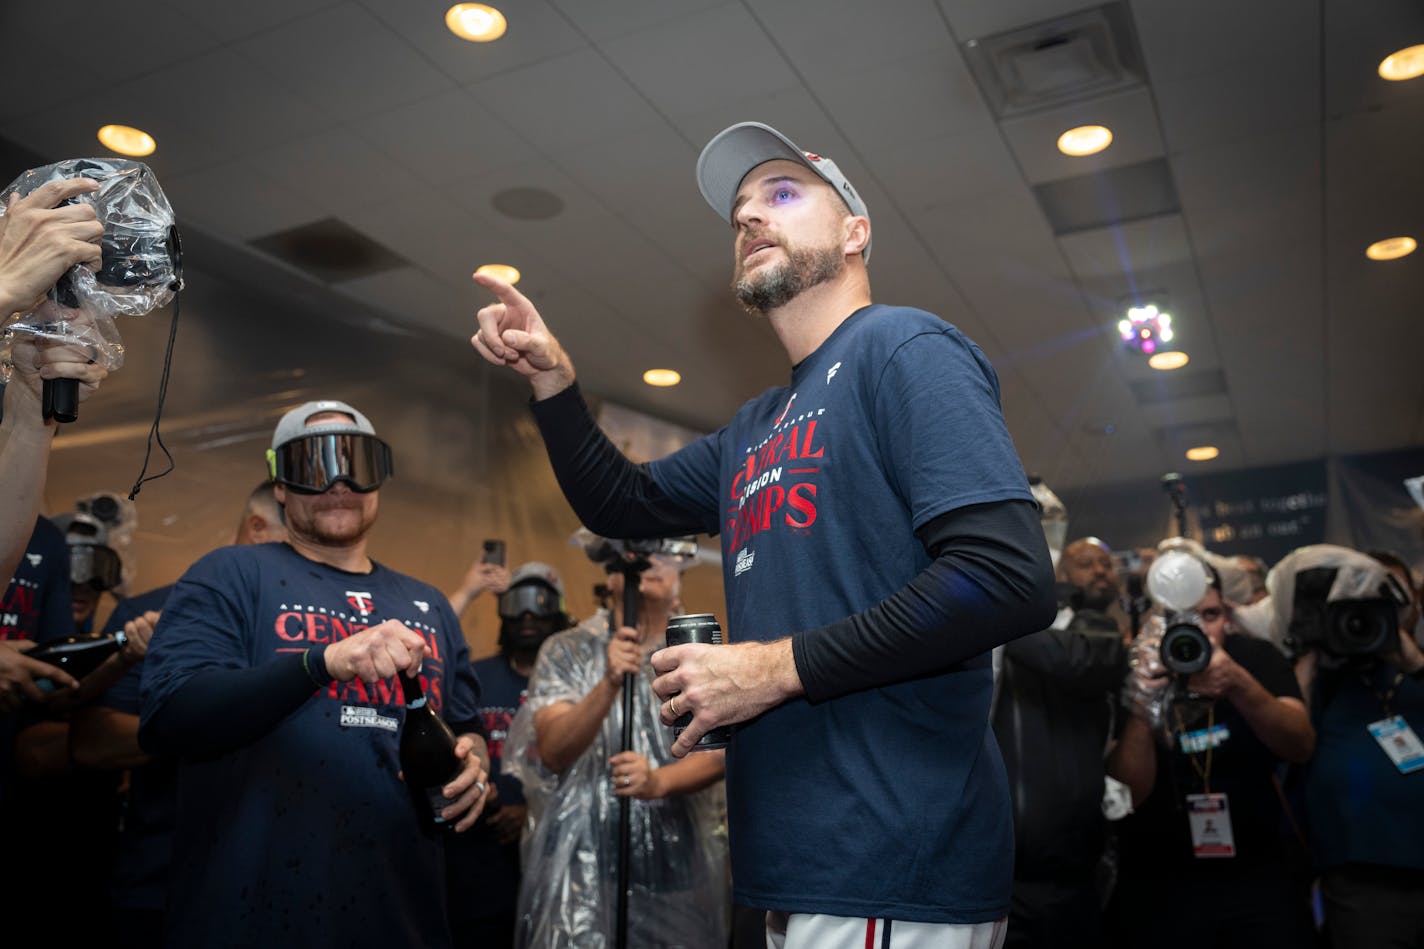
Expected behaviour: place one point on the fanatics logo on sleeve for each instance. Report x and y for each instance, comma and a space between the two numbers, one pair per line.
831, 373
421, 605
35, 559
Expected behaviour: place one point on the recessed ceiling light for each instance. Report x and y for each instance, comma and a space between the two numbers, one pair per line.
1202, 453
127, 140
1084, 140
662, 377
1168, 361
1391, 248
1406, 63
508, 274
475, 22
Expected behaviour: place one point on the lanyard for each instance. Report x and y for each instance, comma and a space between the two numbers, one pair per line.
1202, 772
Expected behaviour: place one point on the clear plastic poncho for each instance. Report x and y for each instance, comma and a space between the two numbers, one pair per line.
141, 260
678, 876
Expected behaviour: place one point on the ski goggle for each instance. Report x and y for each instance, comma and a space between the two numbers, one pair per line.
533, 598
96, 565
313, 463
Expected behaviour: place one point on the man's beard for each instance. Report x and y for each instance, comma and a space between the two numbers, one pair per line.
343, 533
771, 287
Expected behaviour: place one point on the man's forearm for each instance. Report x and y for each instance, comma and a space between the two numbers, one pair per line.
612, 496
24, 461
1282, 724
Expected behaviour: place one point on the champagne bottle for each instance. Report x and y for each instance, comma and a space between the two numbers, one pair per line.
77, 655
427, 754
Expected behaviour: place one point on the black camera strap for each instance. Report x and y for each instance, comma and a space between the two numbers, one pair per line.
153, 433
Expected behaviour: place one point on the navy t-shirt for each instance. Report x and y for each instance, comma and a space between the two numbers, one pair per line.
306, 836
140, 875
890, 802
36, 604
36, 607
1362, 808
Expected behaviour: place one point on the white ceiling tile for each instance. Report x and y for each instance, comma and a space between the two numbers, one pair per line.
235, 200
842, 35
1239, 101
591, 100
335, 169
446, 136
1183, 40
343, 61
910, 102
612, 18
233, 21
669, 63
1127, 248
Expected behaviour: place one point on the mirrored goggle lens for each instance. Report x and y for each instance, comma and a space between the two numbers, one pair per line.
528, 598
316, 462
97, 566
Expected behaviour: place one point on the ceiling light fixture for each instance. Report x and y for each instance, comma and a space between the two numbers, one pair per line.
1146, 328
1406, 63
126, 140
1168, 361
662, 377
508, 274
475, 22
1202, 453
1085, 140
1391, 248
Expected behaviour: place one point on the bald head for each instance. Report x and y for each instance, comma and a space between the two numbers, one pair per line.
1087, 564
261, 521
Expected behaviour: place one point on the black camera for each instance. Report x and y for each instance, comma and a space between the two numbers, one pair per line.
1185, 647
624, 554
1343, 628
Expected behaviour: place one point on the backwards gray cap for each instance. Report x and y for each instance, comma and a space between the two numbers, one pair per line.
293, 425
737, 150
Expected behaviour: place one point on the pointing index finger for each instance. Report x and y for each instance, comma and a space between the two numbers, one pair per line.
502, 289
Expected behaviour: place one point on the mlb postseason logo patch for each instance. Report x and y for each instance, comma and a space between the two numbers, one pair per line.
363, 716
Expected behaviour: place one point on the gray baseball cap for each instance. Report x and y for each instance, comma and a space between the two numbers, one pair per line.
735, 151
293, 425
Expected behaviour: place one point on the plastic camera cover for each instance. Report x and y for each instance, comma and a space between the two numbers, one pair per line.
140, 268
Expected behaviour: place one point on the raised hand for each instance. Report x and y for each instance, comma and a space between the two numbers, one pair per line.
513, 334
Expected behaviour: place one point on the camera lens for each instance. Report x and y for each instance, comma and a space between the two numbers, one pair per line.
1185, 649
1360, 627
105, 509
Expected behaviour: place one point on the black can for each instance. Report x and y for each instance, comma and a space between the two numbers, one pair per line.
697, 628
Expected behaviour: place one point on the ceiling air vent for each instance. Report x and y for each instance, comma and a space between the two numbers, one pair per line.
330, 250
1090, 53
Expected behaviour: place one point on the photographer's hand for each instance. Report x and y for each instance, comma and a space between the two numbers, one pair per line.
40, 241
513, 334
